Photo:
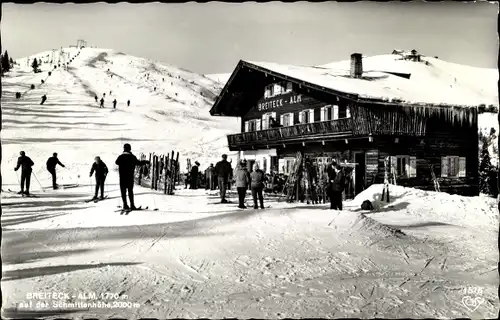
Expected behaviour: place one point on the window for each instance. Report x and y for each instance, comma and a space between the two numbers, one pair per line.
453, 167
306, 116
286, 119
252, 125
403, 166
278, 88
326, 113
286, 165
335, 112
266, 120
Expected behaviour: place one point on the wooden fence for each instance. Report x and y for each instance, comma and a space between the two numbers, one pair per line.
160, 173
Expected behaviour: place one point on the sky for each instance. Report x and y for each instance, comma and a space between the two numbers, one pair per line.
212, 37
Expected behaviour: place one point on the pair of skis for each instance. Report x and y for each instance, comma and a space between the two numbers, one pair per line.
127, 211
22, 194
96, 200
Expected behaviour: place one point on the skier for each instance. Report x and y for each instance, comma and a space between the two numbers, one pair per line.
242, 180
44, 98
126, 168
224, 171
96, 98
114, 104
194, 175
128, 103
101, 171
25, 163
102, 103
208, 177
257, 179
335, 186
52, 162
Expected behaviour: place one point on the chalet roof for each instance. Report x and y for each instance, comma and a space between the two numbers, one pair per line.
434, 83
387, 79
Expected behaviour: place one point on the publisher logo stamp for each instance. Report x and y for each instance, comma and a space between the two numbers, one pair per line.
472, 298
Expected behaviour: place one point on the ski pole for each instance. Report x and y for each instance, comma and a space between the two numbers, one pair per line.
34, 175
90, 178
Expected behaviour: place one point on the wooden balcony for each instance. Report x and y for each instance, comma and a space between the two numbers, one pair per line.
293, 134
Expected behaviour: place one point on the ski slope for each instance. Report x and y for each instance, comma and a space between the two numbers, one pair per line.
193, 258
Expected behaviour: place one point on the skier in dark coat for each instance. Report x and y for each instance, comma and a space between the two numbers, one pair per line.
194, 176
96, 98
336, 185
128, 103
114, 104
224, 173
44, 98
126, 168
52, 162
25, 163
101, 171
102, 103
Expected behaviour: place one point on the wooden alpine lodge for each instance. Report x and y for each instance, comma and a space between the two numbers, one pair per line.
356, 117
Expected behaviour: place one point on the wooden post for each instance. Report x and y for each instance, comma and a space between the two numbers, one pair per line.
152, 174
166, 176
176, 167
171, 171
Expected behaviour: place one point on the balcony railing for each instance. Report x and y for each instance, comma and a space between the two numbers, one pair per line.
301, 132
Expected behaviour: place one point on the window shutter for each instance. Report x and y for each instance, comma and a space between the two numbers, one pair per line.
348, 112
288, 87
462, 167
444, 167
246, 126
265, 121
282, 120
257, 125
281, 165
311, 115
413, 167
301, 116
335, 115
291, 119
322, 113
266, 92
393, 166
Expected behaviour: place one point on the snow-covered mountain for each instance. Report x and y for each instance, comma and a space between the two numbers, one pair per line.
168, 110
219, 77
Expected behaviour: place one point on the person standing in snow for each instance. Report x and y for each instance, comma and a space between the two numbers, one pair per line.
96, 98
25, 163
242, 180
224, 173
126, 169
336, 185
52, 162
194, 175
102, 103
257, 179
208, 177
101, 171
114, 104
128, 103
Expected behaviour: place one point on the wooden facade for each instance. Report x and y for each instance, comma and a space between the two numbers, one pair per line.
419, 139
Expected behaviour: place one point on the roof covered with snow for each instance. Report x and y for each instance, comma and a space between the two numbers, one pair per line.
432, 81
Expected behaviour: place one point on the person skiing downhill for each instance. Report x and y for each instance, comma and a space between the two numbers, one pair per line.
126, 168
102, 103
44, 98
25, 163
101, 171
114, 104
52, 162
128, 103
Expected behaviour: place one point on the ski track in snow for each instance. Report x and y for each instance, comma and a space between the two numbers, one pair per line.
410, 258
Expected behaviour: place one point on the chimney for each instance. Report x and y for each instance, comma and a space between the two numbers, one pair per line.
356, 65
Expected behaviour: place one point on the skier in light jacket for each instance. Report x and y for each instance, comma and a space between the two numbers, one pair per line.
242, 180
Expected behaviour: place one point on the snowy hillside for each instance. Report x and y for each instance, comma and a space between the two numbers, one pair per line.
174, 117
219, 77
435, 76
